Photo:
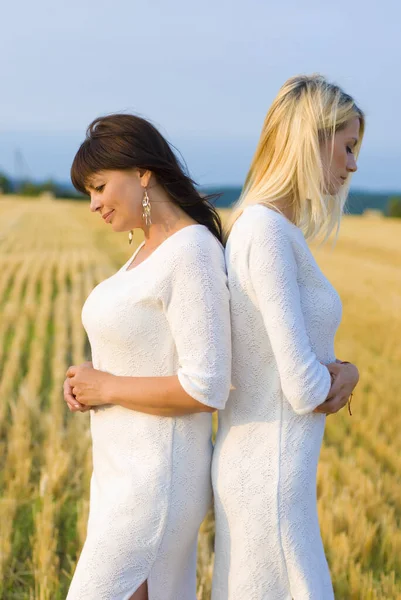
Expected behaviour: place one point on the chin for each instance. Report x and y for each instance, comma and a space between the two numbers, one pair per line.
116, 226
334, 188
120, 227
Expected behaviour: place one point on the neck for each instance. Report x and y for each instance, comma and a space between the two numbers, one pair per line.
286, 207
167, 217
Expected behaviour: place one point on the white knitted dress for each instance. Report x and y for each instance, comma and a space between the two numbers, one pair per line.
151, 487
284, 317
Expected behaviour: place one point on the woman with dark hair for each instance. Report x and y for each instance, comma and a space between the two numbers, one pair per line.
159, 331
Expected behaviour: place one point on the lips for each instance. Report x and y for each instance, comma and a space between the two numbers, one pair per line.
107, 215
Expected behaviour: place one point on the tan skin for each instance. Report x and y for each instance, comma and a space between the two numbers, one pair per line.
338, 159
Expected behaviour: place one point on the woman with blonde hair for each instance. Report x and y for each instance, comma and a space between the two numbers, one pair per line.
286, 377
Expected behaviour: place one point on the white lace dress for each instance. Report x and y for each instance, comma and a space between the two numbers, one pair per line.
151, 488
284, 317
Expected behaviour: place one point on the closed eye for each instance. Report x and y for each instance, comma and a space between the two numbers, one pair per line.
100, 188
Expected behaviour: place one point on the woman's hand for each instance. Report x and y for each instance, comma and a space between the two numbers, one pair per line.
344, 380
72, 402
86, 387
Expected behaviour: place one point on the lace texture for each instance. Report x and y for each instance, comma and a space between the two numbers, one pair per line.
151, 488
284, 316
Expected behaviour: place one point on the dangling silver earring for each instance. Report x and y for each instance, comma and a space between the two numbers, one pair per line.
146, 209
130, 237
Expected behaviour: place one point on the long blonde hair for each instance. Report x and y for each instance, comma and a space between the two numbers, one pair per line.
287, 163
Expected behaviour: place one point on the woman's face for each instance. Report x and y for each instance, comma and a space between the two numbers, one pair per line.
342, 162
117, 196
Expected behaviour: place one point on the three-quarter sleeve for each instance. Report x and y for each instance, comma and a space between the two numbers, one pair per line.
196, 304
273, 272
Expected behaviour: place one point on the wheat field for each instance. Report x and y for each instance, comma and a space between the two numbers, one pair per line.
52, 253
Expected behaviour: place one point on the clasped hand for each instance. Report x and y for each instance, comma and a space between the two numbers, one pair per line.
344, 379
85, 387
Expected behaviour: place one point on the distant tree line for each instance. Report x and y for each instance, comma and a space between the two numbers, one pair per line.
32, 189
5, 184
359, 201
394, 207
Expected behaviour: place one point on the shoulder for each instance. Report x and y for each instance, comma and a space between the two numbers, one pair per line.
194, 245
259, 218
193, 264
261, 225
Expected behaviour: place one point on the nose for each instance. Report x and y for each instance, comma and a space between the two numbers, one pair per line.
352, 167
95, 203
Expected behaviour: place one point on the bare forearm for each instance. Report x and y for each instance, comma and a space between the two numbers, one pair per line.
163, 396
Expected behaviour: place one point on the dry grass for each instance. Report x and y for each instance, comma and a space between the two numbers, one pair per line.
52, 254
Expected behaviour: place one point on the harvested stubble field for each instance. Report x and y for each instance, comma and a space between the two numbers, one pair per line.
52, 253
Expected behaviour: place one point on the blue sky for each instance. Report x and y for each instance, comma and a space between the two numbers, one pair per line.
204, 72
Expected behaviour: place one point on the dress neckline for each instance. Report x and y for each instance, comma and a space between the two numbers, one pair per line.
273, 210
125, 268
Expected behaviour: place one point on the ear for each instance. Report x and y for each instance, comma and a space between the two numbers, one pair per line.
144, 177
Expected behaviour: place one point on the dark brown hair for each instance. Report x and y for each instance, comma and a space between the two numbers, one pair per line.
120, 142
